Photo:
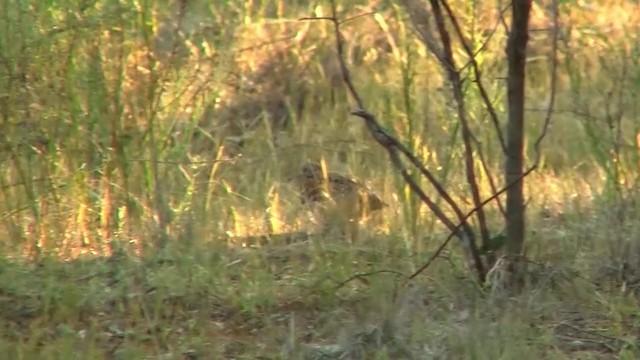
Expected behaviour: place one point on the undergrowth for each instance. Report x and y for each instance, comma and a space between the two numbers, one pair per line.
145, 145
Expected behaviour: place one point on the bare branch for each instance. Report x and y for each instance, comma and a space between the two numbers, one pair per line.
389, 143
485, 168
456, 84
332, 18
501, 16
382, 136
346, 74
362, 276
485, 97
477, 73
466, 217
554, 81
487, 40
422, 25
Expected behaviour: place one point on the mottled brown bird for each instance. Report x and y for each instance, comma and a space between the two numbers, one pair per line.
317, 186
344, 200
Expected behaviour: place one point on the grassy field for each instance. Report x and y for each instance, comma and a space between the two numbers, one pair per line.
145, 144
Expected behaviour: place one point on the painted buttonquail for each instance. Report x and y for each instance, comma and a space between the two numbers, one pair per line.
316, 187
343, 201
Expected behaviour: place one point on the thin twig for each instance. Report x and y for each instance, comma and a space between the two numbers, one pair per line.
478, 75
333, 18
367, 274
554, 80
467, 216
485, 43
501, 17
485, 168
392, 145
456, 83
389, 142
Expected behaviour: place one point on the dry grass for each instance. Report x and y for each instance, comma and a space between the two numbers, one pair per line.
119, 130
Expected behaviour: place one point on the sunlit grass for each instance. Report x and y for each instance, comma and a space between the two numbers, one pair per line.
103, 110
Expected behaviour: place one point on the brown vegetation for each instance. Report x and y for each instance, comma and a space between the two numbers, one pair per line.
112, 119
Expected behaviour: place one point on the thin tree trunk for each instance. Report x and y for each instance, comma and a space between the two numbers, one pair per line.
516, 53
